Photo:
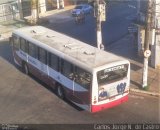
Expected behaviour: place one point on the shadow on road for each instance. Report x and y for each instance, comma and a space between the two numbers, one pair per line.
53, 91
6, 51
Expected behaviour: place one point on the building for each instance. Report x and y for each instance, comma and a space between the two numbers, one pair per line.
9, 10
45, 5
18, 9
155, 46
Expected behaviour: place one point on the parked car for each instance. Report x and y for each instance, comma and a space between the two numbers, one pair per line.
85, 8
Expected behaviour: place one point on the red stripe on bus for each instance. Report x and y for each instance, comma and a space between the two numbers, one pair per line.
96, 108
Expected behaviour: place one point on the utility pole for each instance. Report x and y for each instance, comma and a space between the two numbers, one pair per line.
99, 14
99, 31
20, 8
147, 52
58, 4
154, 25
139, 28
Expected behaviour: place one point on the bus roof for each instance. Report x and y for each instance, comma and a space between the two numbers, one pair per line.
67, 47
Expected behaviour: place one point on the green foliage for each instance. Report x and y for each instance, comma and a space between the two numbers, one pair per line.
146, 88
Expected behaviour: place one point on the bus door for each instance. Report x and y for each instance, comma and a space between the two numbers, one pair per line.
14, 40
81, 88
23, 49
77, 82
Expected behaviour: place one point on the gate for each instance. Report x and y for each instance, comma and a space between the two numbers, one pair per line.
9, 11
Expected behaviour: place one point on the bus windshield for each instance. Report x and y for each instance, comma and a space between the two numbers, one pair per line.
112, 74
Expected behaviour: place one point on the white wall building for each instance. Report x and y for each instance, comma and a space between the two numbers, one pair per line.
155, 45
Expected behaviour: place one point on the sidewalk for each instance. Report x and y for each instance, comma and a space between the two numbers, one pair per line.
52, 16
118, 47
56, 11
137, 67
7, 27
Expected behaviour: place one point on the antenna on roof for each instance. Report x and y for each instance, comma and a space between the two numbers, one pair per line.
89, 53
37, 31
33, 31
68, 44
50, 36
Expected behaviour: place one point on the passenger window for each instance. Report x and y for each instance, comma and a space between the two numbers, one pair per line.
53, 61
42, 56
23, 45
16, 42
67, 69
33, 50
82, 77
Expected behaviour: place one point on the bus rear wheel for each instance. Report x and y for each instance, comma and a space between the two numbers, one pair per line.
60, 92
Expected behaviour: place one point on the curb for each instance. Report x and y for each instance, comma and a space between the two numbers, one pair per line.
145, 92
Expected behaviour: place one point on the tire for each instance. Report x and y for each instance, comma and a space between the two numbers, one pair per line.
25, 69
60, 92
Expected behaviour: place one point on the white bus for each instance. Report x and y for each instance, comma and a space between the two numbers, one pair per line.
90, 78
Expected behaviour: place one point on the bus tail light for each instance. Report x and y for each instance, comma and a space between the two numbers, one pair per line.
95, 101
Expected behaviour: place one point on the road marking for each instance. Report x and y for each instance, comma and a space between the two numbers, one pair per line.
131, 17
132, 6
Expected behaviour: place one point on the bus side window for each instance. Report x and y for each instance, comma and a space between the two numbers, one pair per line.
42, 55
67, 69
83, 78
24, 45
16, 42
33, 50
53, 61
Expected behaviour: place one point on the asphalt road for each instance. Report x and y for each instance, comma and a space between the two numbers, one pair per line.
119, 17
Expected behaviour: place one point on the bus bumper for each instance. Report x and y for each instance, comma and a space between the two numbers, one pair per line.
96, 108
